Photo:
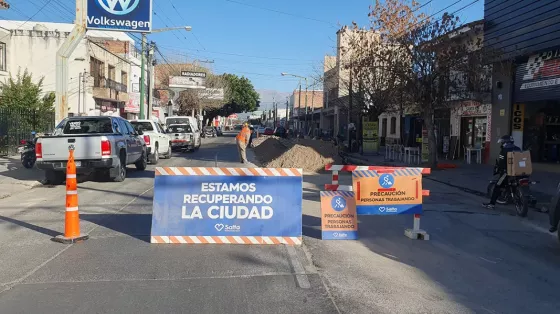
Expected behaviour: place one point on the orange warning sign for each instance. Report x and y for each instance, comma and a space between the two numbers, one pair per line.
388, 192
338, 216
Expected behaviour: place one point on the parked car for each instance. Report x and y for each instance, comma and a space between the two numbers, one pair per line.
281, 132
157, 141
197, 131
268, 131
182, 137
210, 131
261, 129
102, 145
238, 127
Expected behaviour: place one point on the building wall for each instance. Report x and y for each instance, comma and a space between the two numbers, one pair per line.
34, 46
36, 52
518, 28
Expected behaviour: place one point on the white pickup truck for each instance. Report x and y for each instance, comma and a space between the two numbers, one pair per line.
102, 145
157, 141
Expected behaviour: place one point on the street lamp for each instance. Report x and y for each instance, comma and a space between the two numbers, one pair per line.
143, 63
299, 102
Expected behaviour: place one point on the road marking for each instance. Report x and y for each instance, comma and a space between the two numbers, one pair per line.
302, 280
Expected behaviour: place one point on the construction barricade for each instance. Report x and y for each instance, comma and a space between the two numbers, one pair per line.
227, 206
379, 190
72, 232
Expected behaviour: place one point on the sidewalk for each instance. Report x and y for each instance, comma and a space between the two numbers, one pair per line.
14, 178
472, 178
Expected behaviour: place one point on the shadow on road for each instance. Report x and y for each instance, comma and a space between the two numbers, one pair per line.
311, 226
135, 225
14, 224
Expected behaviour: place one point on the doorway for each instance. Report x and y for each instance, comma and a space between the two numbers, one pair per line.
473, 133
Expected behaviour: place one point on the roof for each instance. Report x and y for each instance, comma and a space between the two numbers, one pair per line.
62, 27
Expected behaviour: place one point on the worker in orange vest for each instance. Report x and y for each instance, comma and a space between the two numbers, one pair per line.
242, 141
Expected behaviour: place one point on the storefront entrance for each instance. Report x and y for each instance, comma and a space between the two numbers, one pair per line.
473, 133
541, 130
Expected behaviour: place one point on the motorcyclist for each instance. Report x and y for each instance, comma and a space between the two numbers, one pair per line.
500, 169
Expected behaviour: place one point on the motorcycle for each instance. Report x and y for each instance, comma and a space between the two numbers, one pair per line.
27, 151
515, 191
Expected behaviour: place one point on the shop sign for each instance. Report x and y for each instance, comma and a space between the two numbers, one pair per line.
370, 134
120, 15
538, 78
518, 117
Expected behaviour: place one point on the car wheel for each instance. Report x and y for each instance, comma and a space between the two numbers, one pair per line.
155, 156
141, 163
169, 153
121, 172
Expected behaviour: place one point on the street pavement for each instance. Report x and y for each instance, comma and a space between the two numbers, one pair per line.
477, 261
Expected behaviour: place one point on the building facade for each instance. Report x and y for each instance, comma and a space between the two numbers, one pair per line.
526, 81
99, 80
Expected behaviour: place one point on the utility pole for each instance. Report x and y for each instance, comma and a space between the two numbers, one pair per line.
150, 80
312, 109
306, 92
143, 77
349, 109
299, 106
80, 81
62, 55
84, 90
287, 126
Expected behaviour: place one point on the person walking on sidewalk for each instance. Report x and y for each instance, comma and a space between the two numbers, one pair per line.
242, 140
507, 145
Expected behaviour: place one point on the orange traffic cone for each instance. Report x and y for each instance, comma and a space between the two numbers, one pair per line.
72, 217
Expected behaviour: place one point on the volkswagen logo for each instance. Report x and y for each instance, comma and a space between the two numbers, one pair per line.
118, 7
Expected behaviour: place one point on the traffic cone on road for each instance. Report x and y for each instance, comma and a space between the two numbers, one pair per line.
72, 218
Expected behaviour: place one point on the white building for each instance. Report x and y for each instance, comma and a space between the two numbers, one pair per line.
109, 75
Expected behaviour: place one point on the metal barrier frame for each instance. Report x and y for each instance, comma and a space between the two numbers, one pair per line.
415, 233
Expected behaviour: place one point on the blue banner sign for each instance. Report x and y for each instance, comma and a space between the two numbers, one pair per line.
120, 15
227, 206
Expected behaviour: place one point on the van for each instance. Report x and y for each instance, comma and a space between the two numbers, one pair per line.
183, 120
192, 121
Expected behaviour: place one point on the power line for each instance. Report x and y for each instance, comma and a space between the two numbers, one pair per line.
285, 13
181, 53
241, 55
183, 19
35, 14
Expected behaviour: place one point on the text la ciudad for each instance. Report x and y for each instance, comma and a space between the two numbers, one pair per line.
245, 205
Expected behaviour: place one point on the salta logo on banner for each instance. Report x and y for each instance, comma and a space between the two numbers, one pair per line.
120, 15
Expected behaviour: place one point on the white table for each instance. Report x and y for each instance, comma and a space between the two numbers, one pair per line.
408, 154
470, 151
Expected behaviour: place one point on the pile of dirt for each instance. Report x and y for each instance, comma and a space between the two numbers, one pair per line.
310, 155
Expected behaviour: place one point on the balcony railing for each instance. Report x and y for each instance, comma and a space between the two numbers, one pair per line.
119, 87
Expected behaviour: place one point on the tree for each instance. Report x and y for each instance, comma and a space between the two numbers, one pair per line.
21, 93
240, 96
428, 64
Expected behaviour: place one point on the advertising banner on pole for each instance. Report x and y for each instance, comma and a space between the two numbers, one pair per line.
227, 206
388, 192
370, 135
338, 216
120, 15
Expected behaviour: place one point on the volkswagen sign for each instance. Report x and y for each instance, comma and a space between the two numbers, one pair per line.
120, 15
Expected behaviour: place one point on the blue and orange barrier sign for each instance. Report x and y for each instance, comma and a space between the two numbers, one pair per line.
338, 216
227, 206
388, 191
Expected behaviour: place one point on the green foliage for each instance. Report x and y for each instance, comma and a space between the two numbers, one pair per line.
21, 93
240, 96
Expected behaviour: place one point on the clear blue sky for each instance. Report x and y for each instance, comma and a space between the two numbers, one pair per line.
255, 38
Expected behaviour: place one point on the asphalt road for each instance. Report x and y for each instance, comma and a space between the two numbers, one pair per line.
477, 261
117, 270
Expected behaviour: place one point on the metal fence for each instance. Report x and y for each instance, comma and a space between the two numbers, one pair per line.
17, 124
